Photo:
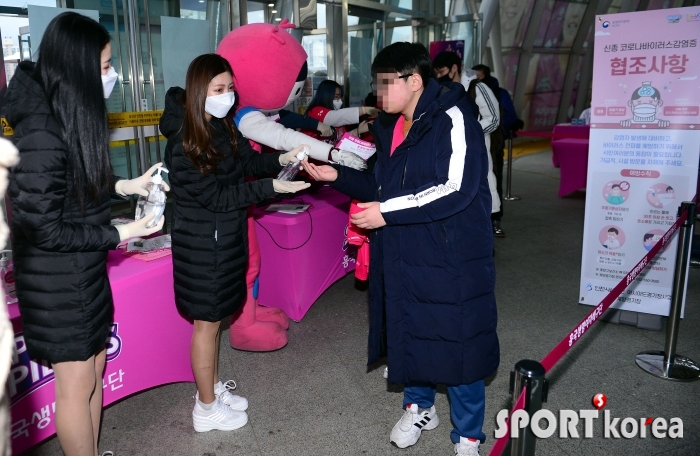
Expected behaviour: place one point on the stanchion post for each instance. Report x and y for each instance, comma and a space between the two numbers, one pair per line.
508, 196
668, 364
530, 374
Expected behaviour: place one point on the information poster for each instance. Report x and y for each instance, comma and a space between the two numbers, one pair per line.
644, 149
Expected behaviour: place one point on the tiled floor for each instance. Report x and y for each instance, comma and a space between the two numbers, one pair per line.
316, 397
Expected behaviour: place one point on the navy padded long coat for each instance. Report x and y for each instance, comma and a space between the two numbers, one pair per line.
433, 261
59, 251
209, 222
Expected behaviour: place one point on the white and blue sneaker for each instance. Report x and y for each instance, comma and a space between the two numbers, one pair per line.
407, 431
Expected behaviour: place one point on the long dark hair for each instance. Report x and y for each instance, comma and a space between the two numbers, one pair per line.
69, 68
324, 95
197, 137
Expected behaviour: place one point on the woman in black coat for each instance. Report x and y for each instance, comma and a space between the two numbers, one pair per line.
208, 159
60, 198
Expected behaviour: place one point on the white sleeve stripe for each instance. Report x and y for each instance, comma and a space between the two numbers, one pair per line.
454, 172
491, 107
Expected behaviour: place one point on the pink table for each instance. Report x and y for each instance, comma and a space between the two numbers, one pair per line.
303, 254
148, 346
566, 131
573, 162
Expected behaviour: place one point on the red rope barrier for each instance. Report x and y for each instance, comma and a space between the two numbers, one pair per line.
501, 443
579, 330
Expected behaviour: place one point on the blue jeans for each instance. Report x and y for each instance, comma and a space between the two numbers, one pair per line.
467, 403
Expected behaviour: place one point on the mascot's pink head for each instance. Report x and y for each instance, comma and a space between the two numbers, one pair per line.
269, 64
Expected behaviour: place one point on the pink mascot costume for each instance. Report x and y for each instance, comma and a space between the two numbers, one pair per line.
269, 71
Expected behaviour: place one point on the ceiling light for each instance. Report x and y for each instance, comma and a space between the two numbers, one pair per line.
278, 19
271, 5
274, 11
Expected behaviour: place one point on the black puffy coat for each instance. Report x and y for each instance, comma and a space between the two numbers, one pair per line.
59, 252
209, 228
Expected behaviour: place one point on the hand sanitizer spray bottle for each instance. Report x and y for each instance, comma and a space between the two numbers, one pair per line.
154, 203
7, 277
289, 172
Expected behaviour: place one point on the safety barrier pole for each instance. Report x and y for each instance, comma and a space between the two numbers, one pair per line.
668, 364
508, 196
518, 404
528, 374
527, 382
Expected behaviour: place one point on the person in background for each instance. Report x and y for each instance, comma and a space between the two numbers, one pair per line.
60, 199
327, 107
208, 159
432, 272
586, 116
508, 126
509, 119
447, 66
290, 119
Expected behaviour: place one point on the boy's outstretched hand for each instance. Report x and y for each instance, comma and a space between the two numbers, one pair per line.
370, 218
324, 173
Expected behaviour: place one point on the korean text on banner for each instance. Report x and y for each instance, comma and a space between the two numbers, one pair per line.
644, 149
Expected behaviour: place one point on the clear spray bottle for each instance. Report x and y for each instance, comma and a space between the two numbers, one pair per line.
289, 172
154, 203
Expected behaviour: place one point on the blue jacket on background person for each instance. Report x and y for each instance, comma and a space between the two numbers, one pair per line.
432, 263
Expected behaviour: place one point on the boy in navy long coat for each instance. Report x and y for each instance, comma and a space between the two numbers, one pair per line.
431, 266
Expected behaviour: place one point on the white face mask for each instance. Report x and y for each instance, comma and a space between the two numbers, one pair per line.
220, 105
337, 104
645, 110
108, 81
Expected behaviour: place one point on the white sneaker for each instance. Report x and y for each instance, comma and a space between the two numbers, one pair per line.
466, 447
223, 392
108, 453
220, 417
407, 431
386, 372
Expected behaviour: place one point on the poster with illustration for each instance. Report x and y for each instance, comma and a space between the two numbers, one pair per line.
456, 46
643, 151
515, 15
545, 82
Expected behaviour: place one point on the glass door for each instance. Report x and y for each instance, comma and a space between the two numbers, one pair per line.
363, 41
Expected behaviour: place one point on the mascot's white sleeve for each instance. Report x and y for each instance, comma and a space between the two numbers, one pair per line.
256, 126
342, 117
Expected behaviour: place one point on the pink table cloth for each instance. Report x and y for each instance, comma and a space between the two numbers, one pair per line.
303, 254
565, 131
573, 162
148, 346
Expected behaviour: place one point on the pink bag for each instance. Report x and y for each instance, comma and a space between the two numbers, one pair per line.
359, 237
